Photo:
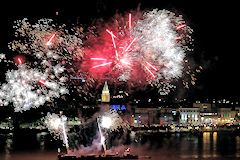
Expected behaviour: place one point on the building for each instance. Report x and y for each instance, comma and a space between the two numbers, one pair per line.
189, 115
204, 107
147, 117
144, 117
237, 109
226, 116
168, 116
208, 118
216, 114
208, 113
105, 93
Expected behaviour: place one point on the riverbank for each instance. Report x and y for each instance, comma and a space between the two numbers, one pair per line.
162, 129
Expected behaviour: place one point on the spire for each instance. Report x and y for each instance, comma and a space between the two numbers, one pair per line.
105, 88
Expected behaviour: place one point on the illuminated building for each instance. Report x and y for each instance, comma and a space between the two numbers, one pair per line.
204, 107
145, 117
237, 115
237, 109
153, 117
105, 93
216, 114
209, 117
189, 115
226, 116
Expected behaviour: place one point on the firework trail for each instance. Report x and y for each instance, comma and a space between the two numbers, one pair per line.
110, 121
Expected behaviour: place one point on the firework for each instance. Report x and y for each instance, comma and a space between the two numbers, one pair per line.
53, 50
148, 47
102, 138
161, 43
112, 121
2, 57
109, 121
45, 40
138, 48
27, 88
57, 126
106, 122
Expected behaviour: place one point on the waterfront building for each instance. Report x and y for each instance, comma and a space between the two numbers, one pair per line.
204, 107
216, 114
189, 115
146, 117
226, 116
208, 113
208, 118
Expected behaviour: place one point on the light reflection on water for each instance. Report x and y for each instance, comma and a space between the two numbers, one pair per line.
30, 156
41, 139
208, 145
237, 146
9, 147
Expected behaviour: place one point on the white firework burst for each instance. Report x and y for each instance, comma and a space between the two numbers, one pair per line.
27, 88
57, 126
162, 45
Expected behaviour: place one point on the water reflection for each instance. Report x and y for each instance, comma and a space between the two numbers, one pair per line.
214, 144
237, 146
8, 146
206, 145
17, 145
41, 138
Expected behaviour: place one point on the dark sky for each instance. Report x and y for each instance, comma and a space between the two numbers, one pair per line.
214, 24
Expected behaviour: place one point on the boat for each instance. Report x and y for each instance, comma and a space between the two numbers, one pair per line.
97, 157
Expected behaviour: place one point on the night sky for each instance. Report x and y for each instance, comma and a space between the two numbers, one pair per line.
214, 24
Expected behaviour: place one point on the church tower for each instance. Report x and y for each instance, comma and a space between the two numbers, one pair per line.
105, 93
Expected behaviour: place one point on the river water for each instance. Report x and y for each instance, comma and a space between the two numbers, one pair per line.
37, 145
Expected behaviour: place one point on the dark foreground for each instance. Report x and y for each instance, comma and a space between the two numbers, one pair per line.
162, 146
